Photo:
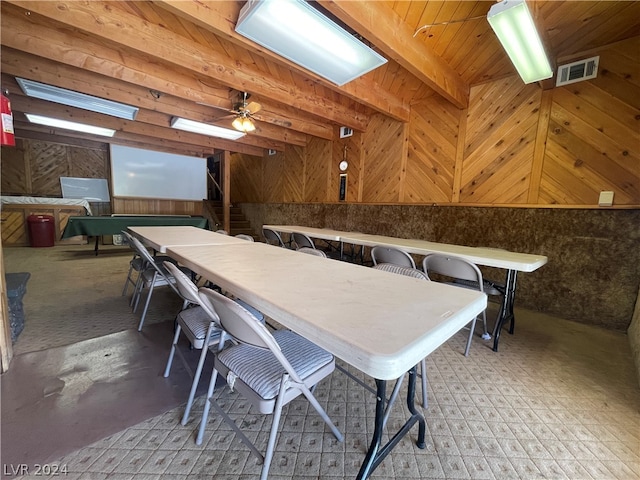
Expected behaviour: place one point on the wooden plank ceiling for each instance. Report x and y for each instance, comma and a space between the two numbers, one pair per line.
183, 58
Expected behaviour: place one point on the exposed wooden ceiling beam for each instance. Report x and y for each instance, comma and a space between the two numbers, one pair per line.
221, 17
395, 38
18, 64
133, 33
65, 47
160, 129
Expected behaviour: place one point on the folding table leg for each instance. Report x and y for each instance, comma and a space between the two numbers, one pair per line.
376, 453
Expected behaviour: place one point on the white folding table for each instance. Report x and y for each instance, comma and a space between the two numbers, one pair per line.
326, 234
160, 238
380, 323
512, 262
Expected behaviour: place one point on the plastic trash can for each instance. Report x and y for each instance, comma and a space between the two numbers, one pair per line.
41, 230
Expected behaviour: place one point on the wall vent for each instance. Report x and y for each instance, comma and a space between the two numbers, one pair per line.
345, 132
577, 71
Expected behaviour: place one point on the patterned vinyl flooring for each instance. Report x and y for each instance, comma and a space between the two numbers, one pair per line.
560, 400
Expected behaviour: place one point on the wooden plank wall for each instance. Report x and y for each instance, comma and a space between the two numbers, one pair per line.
34, 168
383, 161
516, 145
433, 134
593, 141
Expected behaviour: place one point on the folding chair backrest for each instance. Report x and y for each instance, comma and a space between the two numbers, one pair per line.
272, 237
141, 249
407, 271
312, 251
150, 262
188, 290
238, 322
302, 240
454, 267
127, 237
243, 236
380, 254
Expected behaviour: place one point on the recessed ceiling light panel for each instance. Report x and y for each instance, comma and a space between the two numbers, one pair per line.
78, 127
75, 99
205, 129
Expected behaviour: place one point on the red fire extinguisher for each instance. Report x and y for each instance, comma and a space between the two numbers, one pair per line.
8, 137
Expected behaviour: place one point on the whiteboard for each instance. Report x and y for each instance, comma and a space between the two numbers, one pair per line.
90, 189
144, 173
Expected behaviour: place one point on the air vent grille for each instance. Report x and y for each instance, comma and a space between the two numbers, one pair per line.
577, 71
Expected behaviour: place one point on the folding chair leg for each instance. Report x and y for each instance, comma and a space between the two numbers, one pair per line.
207, 406
274, 430
126, 283
167, 369
392, 399
136, 293
146, 307
313, 401
471, 330
485, 332
423, 375
196, 380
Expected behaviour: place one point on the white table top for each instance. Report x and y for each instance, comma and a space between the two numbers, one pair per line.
381, 323
313, 232
46, 201
160, 238
490, 257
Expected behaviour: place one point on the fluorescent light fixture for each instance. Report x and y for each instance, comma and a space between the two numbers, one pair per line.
205, 129
244, 124
75, 99
295, 30
514, 27
78, 127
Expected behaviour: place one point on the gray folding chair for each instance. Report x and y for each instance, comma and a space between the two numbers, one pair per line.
312, 251
153, 274
272, 237
223, 232
243, 236
269, 370
135, 265
198, 326
415, 273
381, 254
457, 268
301, 240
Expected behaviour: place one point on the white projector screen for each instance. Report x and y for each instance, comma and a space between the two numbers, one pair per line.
143, 173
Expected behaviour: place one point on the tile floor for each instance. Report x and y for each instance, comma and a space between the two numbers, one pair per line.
560, 400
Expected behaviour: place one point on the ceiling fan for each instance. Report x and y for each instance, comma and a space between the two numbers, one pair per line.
243, 112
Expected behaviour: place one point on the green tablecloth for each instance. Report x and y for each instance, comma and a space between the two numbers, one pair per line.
96, 226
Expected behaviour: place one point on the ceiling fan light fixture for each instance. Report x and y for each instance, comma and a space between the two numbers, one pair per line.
513, 24
296, 31
244, 124
205, 129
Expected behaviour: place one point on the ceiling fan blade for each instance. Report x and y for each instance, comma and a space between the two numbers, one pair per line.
253, 107
217, 119
214, 106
